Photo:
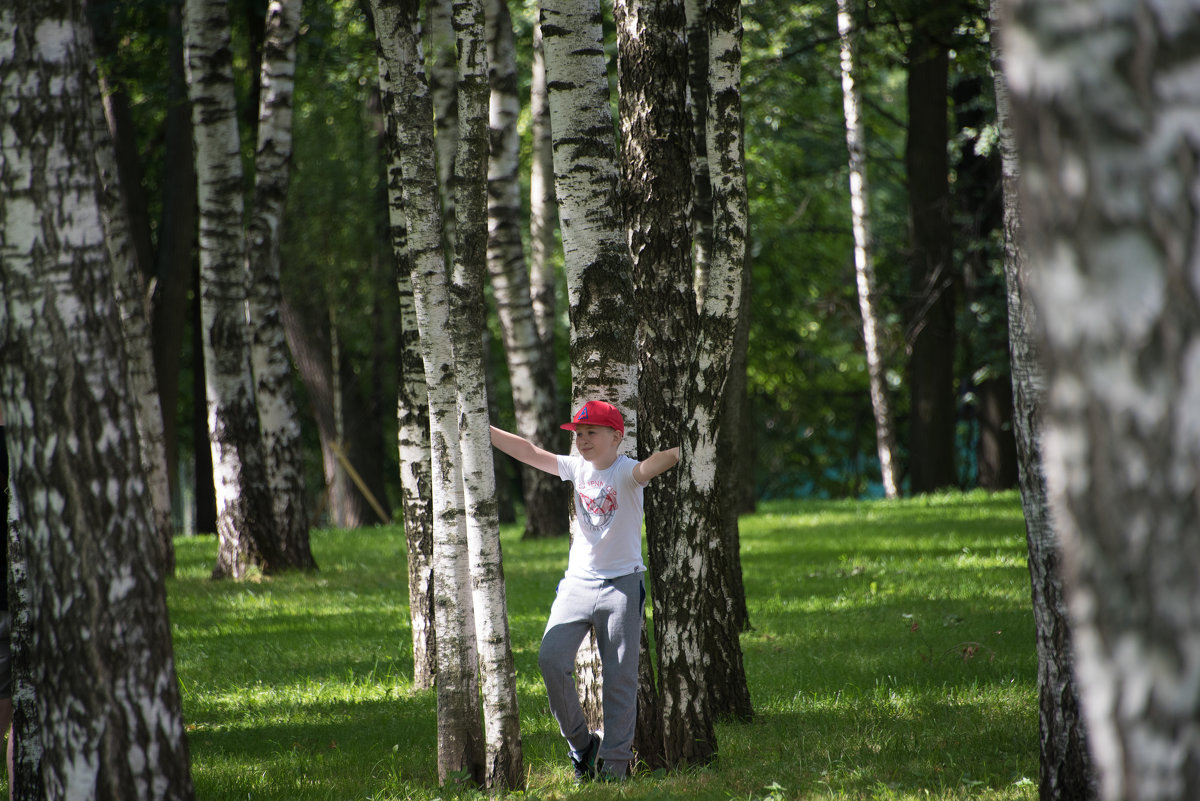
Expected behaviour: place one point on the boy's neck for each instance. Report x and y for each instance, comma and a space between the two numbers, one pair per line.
602, 466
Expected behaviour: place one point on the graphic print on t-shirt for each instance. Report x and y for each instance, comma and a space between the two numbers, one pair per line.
600, 501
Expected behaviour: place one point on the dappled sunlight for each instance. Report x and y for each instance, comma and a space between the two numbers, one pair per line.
891, 657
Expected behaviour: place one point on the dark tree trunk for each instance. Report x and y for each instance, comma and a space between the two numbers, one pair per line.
206, 493
997, 452
175, 265
934, 280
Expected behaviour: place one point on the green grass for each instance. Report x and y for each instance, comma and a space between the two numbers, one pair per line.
891, 658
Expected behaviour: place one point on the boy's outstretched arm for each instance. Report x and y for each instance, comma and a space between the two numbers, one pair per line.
655, 464
525, 451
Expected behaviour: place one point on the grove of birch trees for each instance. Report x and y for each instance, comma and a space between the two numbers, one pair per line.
1030, 196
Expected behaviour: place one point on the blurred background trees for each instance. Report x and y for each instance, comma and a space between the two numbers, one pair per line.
809, 429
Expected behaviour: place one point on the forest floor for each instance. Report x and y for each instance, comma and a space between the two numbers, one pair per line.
891, 657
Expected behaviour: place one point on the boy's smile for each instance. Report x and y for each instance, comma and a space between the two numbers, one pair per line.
597, 444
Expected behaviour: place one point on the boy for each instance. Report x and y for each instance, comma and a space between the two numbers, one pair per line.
603, 586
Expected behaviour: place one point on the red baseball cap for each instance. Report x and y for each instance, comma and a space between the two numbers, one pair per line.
597, 413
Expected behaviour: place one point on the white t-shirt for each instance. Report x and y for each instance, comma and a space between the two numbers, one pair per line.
608, 506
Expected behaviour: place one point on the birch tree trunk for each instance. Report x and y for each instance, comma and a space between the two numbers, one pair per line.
415, 485
1066, 769
696, 15
133, 302
412, 414
542, 205
245, 519
595, 256
655, 127
1100, 95
25, 783
530, 357
443, 86
504, 768
109, 718
277, 412
864, 267
720, 311
460, 736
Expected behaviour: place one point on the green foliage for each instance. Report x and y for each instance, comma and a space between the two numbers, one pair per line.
807, 366
891, 658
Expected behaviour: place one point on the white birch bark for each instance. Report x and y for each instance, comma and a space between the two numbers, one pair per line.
710, 502
656, 163
245, 517
109, 718
1102, 98
696, 15
460, 738
133, 300
412, 417
277, 412
596, 258
416, 483
543, 213
1066, 771
864, 267
468, 317
443, 86
530, 357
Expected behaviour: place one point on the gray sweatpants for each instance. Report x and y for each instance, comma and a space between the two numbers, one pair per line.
614, 607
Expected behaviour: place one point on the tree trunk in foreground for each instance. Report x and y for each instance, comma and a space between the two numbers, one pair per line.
1108, 175
655, 131
412, 418
134, 306
1066, 770
109, 717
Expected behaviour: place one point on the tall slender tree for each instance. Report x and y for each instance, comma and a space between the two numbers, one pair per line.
600, 298
246, 519
277, 411
461, 748
412, 417
109, 719
864, 266
530, 355
932, 275
504, 767
542, 205
652, 78
1098, 95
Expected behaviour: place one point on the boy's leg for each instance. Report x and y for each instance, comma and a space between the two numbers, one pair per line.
619, 638
570, 620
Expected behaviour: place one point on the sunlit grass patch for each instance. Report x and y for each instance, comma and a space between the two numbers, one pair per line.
891, 657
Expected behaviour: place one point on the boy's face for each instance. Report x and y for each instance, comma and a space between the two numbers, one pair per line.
597, 444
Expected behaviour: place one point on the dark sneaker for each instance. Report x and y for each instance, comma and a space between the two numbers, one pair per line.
585, 763
612, 772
